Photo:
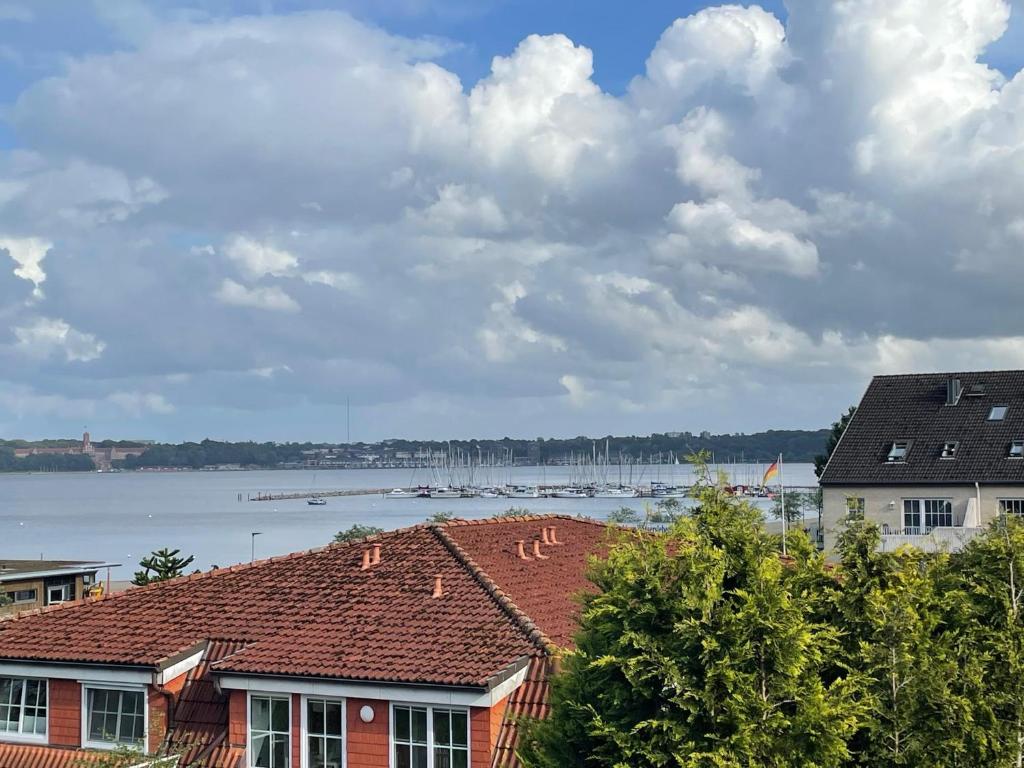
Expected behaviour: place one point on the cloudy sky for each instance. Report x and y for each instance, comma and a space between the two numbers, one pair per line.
485, 217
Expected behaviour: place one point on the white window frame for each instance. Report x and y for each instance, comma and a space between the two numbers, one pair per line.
248, 723
1017, 456
923, 528
66, 589
856, 507
991, 413
1012, 502
29, 738
949, 450
111, 745
14, 595
304, 730
891, 458
430, 729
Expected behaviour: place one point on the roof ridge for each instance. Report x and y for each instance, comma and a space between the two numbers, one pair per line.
519, 617
530, 518
926, 374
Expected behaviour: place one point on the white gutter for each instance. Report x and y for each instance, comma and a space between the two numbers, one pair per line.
69, 571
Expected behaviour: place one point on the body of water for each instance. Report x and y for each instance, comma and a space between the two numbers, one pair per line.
121, 517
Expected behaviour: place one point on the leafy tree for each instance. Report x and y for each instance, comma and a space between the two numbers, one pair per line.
700, 652
514, 512
440, 517
797, 504
357, 532
161, 565
838, 427
624, 516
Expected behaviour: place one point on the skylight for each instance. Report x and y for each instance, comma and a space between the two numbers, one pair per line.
949, 449
998, 413
898, 451
1016, 450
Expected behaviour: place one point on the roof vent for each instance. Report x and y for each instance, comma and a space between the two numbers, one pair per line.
976, 390
954, 388
375, 556
438, 591
366, 561
536, 550
552, 539
520, 551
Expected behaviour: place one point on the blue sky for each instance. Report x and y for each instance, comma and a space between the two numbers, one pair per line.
481, 217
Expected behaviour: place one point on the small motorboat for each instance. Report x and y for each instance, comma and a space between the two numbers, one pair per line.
445, 493
316, 501
401, 493
570, 493
615, 493
524, 492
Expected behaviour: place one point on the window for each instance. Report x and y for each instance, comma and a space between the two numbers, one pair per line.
1012, 507
23, 595
22, 707
855, 507
1016, 450
444, 744
324, 732
899, 451
949, 449
998, 413
58, 593
922, 515
269, 731
115, 717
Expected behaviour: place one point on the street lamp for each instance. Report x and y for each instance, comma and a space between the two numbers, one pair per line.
253, 535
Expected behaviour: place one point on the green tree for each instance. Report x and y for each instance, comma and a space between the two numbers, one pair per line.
624, 516
161, 565
902, 621
838, 428
440, 517
700, 651
357, 532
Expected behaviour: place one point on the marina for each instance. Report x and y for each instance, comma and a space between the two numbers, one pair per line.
120, 517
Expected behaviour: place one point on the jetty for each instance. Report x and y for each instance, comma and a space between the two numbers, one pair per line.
259, 496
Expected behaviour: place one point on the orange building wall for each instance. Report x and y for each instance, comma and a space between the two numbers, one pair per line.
484, 723
368, 743
296, 730
65, 713
237, 714
157, 720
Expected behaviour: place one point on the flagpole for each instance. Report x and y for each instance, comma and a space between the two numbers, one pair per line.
782, 491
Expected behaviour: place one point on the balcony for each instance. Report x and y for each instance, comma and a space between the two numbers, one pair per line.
942, 539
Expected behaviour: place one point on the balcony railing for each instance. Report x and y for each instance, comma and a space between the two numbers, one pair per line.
941, 539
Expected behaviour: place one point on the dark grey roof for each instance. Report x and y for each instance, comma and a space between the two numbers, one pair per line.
913, 407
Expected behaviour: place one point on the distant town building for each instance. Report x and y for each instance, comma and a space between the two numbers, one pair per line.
932, 458
103, 457
28, 584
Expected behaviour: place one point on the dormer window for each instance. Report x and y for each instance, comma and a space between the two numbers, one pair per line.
1016, 450
998, 413
949, 449
898, 452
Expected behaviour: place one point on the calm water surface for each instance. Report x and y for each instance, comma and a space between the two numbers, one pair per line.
121, 517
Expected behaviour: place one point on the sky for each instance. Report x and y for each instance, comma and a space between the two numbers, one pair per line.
288, 219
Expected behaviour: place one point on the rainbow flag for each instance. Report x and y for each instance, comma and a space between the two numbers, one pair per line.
771, 472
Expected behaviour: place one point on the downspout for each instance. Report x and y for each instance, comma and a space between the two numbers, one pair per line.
977, 491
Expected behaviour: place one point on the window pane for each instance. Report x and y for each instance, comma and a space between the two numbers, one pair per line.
460, 759
260, 714
401, 723
460, 729
333, 725
261, 751
280, 751
419, 726
333, 753
442, 758
316, 752
131, 702
5, 690
442, 727
402, 756
419, 757
279, 715
315, 715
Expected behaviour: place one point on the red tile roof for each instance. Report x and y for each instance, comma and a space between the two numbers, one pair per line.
26, 756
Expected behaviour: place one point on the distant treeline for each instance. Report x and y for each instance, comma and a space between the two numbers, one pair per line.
795, 445
66, 462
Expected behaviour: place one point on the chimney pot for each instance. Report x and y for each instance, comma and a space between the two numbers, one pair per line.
375, 559
521, 551
366, 560
536, 550
438, 591
544, 535
554, 541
